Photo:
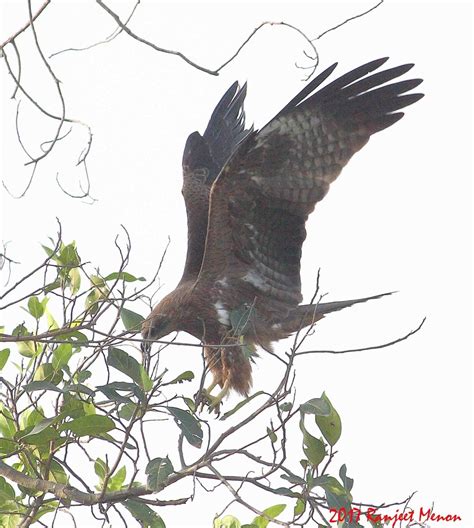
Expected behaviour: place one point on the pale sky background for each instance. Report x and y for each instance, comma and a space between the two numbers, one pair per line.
398, 218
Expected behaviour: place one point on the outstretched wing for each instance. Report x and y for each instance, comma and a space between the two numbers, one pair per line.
203, 158
262, 198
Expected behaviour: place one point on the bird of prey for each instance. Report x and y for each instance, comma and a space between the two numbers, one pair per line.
248, 194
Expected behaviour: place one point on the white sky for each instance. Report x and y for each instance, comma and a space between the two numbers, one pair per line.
397, 219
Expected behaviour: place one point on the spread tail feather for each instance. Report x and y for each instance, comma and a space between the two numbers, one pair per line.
307, 314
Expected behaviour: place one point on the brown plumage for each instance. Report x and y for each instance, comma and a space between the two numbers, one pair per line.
248, 195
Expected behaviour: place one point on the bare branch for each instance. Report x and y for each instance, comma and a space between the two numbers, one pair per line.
363, 349
348, 20
115, 33
25, 26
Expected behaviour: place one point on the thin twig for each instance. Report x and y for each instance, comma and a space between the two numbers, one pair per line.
363, 349
25, 26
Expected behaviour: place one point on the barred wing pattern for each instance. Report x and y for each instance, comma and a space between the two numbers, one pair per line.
261, 200
203, 159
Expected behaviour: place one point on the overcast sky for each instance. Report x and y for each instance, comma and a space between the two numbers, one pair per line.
398, 218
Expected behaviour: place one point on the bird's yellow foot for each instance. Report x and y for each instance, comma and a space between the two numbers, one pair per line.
205, 397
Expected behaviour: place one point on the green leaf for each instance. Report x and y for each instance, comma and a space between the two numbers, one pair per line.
184, 376
300, 507
317, 406
52, 323
131, 388
73, 407
241, 318
127, 411
113, 395
286, 407
29, 349
50, 507
330, 425
7, 446
43, 424
4, 355
44, 437
83, 376
57, 473
20, 330
61, 356
48, 250
41, 385
272, 435
101, 469
68, 255
249, 351
98, 292
35, 307
92, 299
75, 337
116, 481
339, 502
158, 470
109, 438
52, 286
78, 387
75, 280
26, 348
144, 514
286, 492
129, 366
30, 417
123, 275
313, 448
240, 405
332, 485
7, 492
131, 320
294, 479
190, 403
46, 372
8, 426
89, 425
229, 521
273, 512
346, 481
190, 427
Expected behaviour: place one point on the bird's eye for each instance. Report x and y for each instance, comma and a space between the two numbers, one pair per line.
158, 327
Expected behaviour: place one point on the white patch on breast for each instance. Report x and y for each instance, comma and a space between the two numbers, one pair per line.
222, 282
276, 326
255, 279
222, 313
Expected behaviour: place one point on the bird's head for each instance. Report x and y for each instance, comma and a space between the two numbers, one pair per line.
155, 326
164, 319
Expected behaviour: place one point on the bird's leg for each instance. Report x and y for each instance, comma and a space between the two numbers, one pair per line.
215, 401
204, 396
211, 386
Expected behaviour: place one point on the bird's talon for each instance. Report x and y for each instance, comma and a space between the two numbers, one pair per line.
205, 398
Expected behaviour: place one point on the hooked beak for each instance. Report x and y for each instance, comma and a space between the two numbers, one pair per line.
153, 327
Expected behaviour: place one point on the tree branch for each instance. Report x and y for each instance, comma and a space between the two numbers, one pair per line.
363, 349
32, 18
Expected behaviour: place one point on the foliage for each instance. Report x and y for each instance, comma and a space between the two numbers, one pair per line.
74, 385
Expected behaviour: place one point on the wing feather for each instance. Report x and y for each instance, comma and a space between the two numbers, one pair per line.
261, 200
203, 158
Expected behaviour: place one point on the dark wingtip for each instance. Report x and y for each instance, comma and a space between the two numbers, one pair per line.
374, 64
